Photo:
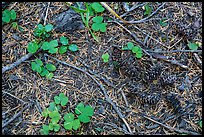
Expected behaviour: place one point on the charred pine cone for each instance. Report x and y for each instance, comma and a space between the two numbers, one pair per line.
167, 80
152, 74
174, 102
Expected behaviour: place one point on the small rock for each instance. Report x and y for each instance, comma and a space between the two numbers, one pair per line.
68, 21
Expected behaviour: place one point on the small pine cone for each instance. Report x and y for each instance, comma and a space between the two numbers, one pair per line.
152, 74
174, 102
148, 98
167, 80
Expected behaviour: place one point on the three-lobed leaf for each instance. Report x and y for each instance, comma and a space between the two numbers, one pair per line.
48, 27
73, 47
105, 57
98, 25
97, 7
45, 112
32, 47
45, 130
63, 40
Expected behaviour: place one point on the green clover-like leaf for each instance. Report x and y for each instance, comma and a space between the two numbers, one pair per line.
68, 125
138, 55
48, 27
73, 47
6, 16
135, 49
51, 126
57, 99
52, 106
53, 43
36, 66
76, 124
148, 10
45, 46
32, 47
50, 67
56, 127
49, 75
98, 19
105, 57
98, 25
193, 46
88, 110
97, 7
53, 50
55, 116
84, 118
13, 14
62, 49
63, 40
79, 108
69, 117
44, 72
130, 45
45, 112
45, 130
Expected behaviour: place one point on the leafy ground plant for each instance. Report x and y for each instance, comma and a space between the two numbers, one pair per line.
8, 15
135, 49
193, 46
70, 122
98, 24
43, 31
105, 57
148, 9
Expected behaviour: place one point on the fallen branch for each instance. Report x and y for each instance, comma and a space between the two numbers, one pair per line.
171, 128
101, 87
15, 64
16, 115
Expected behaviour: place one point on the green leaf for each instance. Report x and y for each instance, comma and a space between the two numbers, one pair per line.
148, 10
135, 49
56, 127
105, 57
98, 19
125, 48
49, 75
68, 125
14, 25
13, 14
62, 49
69, 117
64, 101
6, 16
44, 72
45, 112
53, 43
95, 27
36, 66
40, 27
88, 110
52, 106
45, 46
53, 50
32, 47
76, 124
50, 67
57, 100
84, 118
63, 40
193, 46
97, 7
130, 45
138, 55
163, 23
48, 27
51, 127
103, 27
79, 108
73, 47
45, 130
61, 95
55, 116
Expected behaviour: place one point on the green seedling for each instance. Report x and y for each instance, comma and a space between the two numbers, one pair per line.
50, 46
37, 65
45, 130
148, 10
8, 15
64, 40
98, 25
70, 122
193, 46
97, 7
55, 116
84, 112
62, 49
61, 99
73, 47
14, 25
54, 126
135, 49
105, 57
32, 47
43, 31
53, 107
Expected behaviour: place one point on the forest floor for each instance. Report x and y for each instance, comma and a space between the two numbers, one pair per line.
117, 111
